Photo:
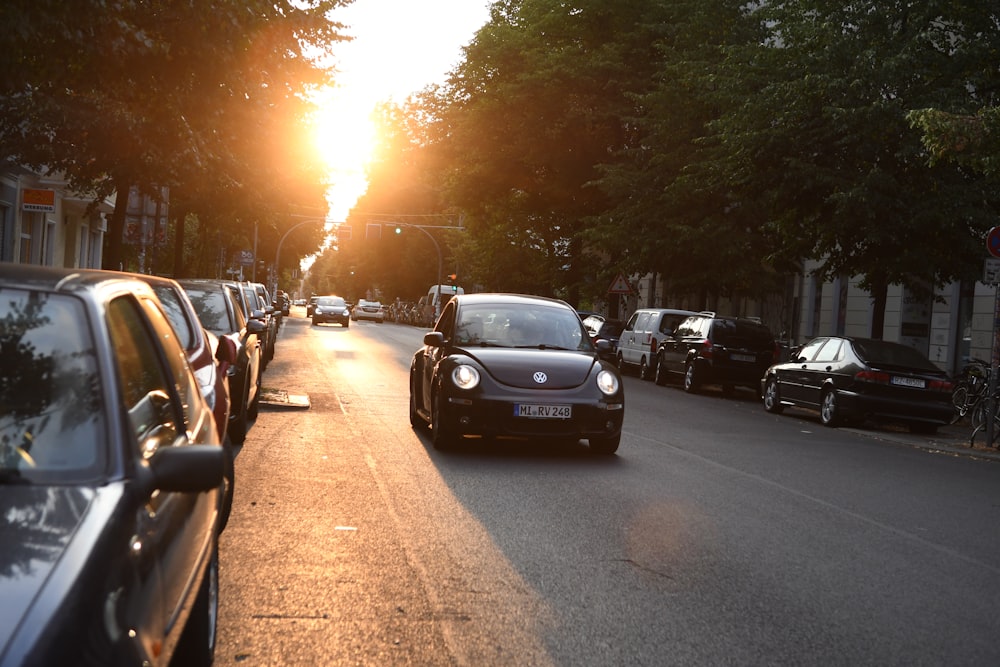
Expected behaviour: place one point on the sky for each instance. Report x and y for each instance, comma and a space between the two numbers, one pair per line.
400, 47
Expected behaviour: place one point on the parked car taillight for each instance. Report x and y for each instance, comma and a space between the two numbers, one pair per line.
706, 349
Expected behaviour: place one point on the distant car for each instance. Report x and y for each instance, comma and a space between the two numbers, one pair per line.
368, 310
709, 349
111, 473
639, 340
851, 379
515, 366
217, 303
331, 309
310, 305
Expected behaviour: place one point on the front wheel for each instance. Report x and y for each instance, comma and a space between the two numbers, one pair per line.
645, 373
442, 438
829, 408
772, 397
960, 400
605, 446
197, 643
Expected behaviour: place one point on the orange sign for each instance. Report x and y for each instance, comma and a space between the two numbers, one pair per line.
39, 200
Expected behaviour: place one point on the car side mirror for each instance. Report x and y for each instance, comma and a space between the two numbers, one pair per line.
434, 339
226, 351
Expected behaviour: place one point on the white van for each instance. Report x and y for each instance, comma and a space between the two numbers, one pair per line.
433, 305
643, 332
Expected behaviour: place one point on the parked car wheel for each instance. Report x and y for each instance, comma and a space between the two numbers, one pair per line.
829, 411
229, 472
660, 377
772, 398
416, 421
238, 427
605, 446
620, 363
645, 373
692, 378
197, 644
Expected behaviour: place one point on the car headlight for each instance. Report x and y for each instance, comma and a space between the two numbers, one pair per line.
607, 382
465, 377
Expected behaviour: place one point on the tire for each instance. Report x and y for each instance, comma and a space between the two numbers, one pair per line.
829, 408
660, 376
238, 428
772, 397
416, 421
644, 372
196, 647
442, 438
314, 321
620, 363
960, 399
254, 411
226, 501
605, 446
692, 379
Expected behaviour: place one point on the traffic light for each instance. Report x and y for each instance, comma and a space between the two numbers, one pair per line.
453, 281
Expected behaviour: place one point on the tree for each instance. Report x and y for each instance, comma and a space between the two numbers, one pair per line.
823, 144
161, 94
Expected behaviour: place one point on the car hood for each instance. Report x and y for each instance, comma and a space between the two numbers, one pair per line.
37, 527
563, 369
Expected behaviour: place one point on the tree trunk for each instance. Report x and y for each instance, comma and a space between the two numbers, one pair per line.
880, 293
113, 257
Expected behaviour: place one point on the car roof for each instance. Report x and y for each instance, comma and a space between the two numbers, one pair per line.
55, 279
508, 299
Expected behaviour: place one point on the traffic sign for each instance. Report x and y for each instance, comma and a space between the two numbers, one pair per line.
620, 285
993, 242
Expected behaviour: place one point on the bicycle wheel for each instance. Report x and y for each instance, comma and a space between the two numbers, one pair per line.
960, 400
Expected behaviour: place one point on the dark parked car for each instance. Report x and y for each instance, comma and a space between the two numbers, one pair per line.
514, 365
111, 473
310, 305
849, 378
217, 303
601, 328
331, 309
710, 349
258, 306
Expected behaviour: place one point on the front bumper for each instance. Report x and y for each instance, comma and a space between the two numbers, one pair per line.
493, 417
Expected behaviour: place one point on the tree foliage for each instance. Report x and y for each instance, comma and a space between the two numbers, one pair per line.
120, 93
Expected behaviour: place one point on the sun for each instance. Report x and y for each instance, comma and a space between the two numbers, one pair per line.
345, 137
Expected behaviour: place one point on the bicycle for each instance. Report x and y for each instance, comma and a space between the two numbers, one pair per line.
970, 390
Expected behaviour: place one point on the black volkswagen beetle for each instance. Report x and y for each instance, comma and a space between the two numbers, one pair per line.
110, 477
850, 379
510, 365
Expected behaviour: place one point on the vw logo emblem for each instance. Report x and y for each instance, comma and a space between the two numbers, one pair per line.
540, 377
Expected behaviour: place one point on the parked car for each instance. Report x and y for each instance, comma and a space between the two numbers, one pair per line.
851, 379
331, 309
257, 294
711, 349
217, 303
368, 310
516, 366
210, 357
111, 473
645, 329
601, 328
310, 305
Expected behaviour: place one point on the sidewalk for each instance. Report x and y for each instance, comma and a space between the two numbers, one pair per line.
953, 438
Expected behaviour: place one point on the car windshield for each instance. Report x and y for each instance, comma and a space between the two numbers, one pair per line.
521, 325
735, 333
884, 353
330, 301
52, 426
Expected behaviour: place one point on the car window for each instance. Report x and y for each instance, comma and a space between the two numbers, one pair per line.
185, 382
52, 417
145, 385
884, 353
210, 305
178, 316
810, 349
521, 325
669, 323
630, 325
830, 350
741, 333
642, 324
689, 327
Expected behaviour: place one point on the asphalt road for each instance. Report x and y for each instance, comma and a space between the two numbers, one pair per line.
719, 534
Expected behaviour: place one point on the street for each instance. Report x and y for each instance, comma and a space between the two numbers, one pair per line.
719, 534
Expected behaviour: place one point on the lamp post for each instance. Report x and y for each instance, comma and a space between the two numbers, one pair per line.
277, 256
437, 247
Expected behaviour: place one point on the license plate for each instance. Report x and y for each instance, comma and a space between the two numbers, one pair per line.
743, 357
536, 411
908, 382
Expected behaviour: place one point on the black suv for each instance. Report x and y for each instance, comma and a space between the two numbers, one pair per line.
711, 349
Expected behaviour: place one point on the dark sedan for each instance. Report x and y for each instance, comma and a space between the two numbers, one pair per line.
218, 304
503, 365
110, 477
331, 309
851, 379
